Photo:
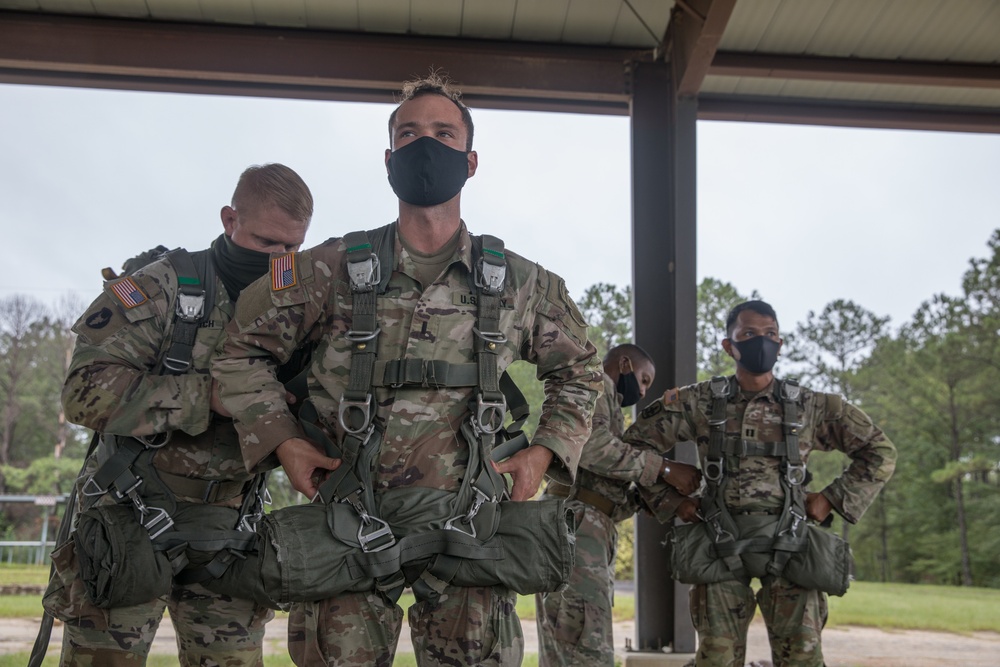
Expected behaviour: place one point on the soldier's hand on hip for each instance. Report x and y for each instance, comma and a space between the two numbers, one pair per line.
526, 468
304, 464
687, 511
818, 507
683, 477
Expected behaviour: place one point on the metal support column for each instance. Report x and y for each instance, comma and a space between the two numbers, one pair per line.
665, 295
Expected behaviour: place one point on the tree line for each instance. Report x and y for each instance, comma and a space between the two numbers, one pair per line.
930, 383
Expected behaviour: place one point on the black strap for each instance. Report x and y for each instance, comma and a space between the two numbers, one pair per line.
193, 305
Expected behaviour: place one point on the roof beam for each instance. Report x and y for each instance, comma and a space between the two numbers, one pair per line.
831, 112
199, 58
694, 33
854, 70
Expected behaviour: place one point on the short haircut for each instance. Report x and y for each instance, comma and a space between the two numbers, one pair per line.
264, 185
434, 83
629, 350
759, 307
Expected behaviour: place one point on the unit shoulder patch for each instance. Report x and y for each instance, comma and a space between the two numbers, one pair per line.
651, 410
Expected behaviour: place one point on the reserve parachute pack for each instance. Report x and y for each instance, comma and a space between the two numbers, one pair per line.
724, 547
342, 543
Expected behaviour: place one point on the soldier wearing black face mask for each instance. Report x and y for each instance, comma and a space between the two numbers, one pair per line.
575, 624
754, 435
169, 453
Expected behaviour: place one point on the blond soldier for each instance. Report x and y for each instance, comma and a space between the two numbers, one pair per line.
139, 376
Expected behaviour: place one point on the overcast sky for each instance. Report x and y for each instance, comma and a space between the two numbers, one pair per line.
804, 215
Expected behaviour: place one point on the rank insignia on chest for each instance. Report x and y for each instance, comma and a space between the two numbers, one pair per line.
283, 272
128, 292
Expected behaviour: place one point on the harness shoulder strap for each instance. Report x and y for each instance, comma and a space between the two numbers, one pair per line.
194, 303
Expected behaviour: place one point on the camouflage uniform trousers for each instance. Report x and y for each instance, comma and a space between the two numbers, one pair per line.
575, 624
794, 616
465, 626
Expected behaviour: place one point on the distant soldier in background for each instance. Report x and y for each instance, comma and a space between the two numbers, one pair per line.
575, 624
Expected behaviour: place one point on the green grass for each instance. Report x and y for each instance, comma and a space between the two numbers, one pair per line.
14, 573
917, 607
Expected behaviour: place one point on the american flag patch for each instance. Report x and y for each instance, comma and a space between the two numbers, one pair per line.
128, 293
283, 272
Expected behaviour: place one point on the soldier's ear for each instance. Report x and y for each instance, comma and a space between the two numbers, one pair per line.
229, 219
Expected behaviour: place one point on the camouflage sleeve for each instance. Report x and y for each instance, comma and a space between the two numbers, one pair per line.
607, 455
660, 500
873, 457
665, 422
568, 366
111, 385
273, 316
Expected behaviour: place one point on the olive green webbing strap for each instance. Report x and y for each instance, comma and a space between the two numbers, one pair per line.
790, 533
724, 530
194, 302
482, 483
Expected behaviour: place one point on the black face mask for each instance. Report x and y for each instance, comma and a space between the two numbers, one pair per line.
425, 172
628, 387
238, 267
758, 354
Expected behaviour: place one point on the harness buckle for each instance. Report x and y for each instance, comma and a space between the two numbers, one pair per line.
497, 337
797, 520
790, 390
156, 440
383, 530
91, 488
130, 492
190, 307
795, 474
364, 406
493, 411
490, 277
719, 386
176, 365
158, 523
721, 534
714, 469
477, 503
364, 275
362, 336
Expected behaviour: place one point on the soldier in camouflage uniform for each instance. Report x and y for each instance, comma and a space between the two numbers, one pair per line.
754, 487
575, 624
114, 387
426, 313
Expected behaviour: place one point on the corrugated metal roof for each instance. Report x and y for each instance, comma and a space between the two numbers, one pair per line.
817, 47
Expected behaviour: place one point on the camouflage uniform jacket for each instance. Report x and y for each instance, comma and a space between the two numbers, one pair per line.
828, 423
608, 465
422, 446
113, 385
